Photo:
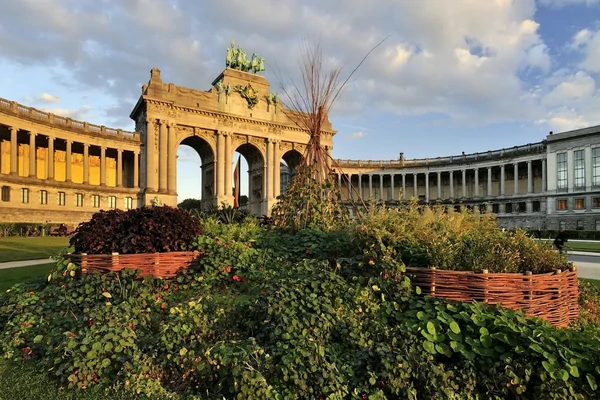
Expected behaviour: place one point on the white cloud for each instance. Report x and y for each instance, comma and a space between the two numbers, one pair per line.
573, 89
77, 114
357, 135
463, 60
565, 3
48, 98
588, 42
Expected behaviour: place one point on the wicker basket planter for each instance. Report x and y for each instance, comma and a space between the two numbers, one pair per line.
551, 296
161, 265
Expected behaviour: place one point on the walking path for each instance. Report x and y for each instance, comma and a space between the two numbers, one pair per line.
26, 263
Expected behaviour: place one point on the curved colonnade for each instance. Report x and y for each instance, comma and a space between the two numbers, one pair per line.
55, 169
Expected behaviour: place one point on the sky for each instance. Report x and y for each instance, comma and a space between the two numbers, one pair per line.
452, 76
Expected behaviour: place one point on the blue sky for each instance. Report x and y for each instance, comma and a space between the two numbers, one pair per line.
454, 75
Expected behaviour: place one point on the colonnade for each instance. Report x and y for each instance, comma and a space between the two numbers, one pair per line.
49, 167
467, 177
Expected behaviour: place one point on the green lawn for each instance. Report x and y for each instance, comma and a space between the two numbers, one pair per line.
584, 246
12, 276
17, 248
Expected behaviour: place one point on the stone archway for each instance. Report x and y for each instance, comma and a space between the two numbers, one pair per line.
290, 161
207, 165
256, 176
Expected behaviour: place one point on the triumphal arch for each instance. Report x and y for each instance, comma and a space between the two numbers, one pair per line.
55, 169
239, 113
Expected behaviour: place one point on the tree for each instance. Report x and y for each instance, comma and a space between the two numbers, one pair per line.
190, 204
313, 198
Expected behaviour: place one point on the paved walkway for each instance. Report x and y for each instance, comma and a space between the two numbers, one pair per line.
27, 263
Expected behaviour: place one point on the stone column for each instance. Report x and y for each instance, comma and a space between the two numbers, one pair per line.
14, 153
392, 186
489, 181
172, 163
228, 167
102, 166
439, 185
476, 189
415, 186
529, 177
381, 187
427, 187
350, 187
136, 169
502, 181
50, 159
277, 169
544, 176
86, 163
119, 168
516, 179
339, 175
588, 172
151, 169
403, 186
464, 183
452, 184
570, 170
269, 188
220, 165
163, 153
68, 160
370, 185
32, 156
360, 191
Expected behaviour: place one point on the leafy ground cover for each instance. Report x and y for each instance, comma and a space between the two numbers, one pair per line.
17, 248
13, 276
310, 314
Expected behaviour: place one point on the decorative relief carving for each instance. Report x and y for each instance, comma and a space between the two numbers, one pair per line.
258, 142
286, 146
224, 122
162, 109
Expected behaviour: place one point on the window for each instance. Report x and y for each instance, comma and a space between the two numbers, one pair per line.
78, 200
580, 204
43, 197
561, 204
598, 224
508, 208
496, 208
96, 201
61, 198
128, 203
25, 195
537, 206
112, 201
579, 225
596, 166
596, 202
5, 193
561, 163
562, 225
579, 168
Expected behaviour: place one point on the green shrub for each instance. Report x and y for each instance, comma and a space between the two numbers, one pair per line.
140, 230
465, 240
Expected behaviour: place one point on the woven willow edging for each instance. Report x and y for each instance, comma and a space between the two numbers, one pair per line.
161, 265
551, 296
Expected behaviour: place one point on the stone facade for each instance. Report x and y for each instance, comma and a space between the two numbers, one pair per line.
55, 169
520, 184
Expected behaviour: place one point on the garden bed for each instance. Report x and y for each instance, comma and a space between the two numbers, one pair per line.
551, 296
161, 265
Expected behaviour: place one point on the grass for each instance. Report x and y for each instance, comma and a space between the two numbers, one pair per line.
17, 248
594, 282
12, 276
23, 381
593, 247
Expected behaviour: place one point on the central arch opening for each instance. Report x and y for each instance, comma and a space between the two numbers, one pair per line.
251, 178
196, 173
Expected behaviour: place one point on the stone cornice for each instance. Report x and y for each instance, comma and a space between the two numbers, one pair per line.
31, 114
229, 117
